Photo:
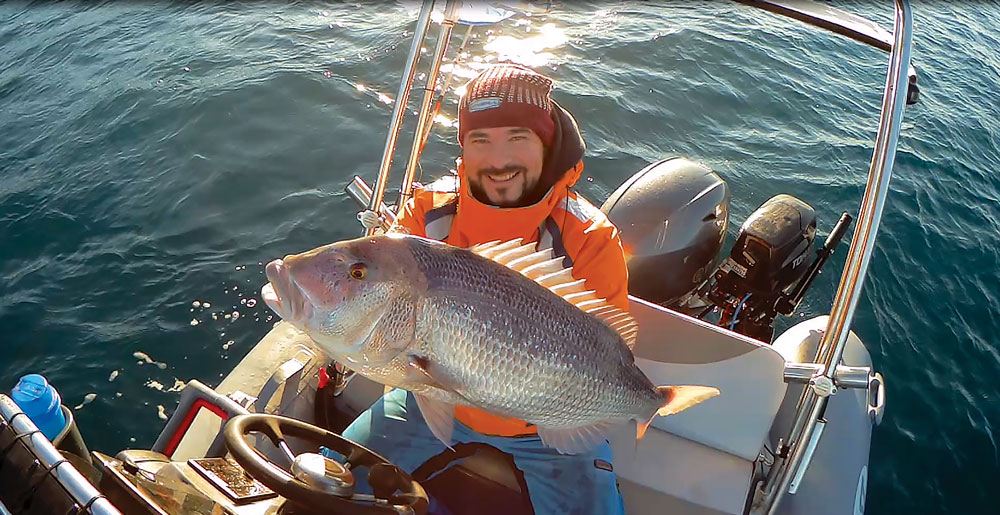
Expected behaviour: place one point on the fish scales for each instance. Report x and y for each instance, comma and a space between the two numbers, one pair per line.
488, 325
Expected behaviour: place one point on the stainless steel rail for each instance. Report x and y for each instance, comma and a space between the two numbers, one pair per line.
450, 17
834, 339
359, 190
81, 490
847, 377
459, 57
846, 24
423, 20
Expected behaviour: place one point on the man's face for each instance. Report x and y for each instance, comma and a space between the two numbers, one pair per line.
503, 164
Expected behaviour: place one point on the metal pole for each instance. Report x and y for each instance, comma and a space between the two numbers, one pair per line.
358, 190
444, 87
423, 20
849, 292
450, 16
847, 377
859, 257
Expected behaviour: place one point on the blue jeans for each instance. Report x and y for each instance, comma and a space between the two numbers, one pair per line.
557, 483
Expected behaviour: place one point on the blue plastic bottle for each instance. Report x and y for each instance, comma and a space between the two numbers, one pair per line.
41, 403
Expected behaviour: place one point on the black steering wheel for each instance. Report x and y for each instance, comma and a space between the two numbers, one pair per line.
385, 478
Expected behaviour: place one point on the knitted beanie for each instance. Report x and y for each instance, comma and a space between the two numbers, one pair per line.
507, 95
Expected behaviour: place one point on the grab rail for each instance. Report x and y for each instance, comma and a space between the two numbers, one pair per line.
844, 23
831, 348
51, 462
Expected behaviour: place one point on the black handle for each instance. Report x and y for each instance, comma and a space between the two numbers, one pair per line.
787, 304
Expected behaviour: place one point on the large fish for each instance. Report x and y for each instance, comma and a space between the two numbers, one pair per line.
500, 327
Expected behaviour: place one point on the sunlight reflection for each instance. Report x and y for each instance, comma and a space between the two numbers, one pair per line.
382, 97
529, 51
445, 121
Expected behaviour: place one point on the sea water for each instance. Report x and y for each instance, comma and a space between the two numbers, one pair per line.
154, 155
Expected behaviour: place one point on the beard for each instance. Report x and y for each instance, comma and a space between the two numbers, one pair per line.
479, 192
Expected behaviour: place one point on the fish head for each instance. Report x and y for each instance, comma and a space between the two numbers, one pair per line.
337, 292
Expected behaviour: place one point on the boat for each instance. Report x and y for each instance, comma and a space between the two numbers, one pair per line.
790, 434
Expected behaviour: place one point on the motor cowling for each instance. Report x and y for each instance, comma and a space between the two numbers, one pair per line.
673, 216
771, 254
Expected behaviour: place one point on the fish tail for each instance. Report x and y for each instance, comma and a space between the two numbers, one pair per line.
675, 400
679, 398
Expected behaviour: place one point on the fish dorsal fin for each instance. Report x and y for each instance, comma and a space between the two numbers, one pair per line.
543, 268
569, 288
493, 250
521, 263
508, 256
582, 297
554, 279
616, 318
478, 249
546, 269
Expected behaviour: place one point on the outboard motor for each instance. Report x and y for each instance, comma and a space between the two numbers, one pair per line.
673, 216
768, 260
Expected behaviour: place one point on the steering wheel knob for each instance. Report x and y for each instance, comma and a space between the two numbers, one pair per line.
324, 474
384, 479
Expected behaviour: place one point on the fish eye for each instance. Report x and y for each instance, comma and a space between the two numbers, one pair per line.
359, 271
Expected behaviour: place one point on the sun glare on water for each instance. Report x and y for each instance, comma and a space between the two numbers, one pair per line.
531, 51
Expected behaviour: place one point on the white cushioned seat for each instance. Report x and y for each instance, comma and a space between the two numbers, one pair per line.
703, 455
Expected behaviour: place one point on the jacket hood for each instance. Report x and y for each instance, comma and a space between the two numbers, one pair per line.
480, 222
566, 151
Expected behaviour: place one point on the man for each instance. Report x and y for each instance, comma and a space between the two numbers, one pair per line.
521, 154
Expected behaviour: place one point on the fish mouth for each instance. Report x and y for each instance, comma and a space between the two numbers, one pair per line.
281, 293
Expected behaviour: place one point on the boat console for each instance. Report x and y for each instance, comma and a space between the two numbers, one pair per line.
236, 479
147, 482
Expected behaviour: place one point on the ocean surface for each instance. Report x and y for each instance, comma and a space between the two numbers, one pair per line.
154, 155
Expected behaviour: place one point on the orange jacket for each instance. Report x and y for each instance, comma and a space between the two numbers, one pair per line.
562, 220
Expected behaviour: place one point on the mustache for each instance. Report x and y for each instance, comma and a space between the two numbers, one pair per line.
507, 169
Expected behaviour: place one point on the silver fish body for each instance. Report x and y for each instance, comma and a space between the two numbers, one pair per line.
458, 328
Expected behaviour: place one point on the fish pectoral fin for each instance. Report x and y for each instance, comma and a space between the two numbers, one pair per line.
577, 439
440, 417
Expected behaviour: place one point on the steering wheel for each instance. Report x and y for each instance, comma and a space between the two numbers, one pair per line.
384, 477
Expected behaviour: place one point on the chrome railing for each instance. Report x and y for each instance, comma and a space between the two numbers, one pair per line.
49, 461
399, 109
450, 16
803, 434
795, 452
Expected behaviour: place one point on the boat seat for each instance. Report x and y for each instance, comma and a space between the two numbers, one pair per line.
704, 455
